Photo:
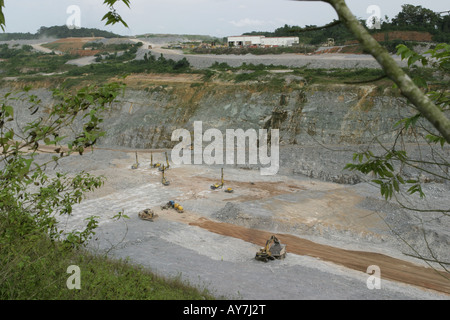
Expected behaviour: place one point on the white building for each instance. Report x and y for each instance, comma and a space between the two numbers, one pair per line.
243, 41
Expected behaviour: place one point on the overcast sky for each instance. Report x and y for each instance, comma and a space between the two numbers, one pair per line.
207, 17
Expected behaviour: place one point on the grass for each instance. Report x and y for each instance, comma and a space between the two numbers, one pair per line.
20, 62
34, 268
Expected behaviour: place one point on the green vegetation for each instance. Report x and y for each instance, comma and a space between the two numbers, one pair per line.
251, 72
34, 268
411, 18
23, 60
121, 65
389, 167
35, 252
112, 47
120, 52
256, 50
308, 36
58, 32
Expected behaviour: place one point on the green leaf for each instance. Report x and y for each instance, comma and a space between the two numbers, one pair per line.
396, 187
8, 110
360, 157
420, 82
389, 166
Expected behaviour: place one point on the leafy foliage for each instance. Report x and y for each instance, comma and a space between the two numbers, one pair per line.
22, 60
417, 16
411, 18
30, 197
387, 168
113, 65
61, 32
112, 17
2, 16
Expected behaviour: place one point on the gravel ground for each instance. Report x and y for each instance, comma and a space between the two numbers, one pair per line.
327, 61
226, 265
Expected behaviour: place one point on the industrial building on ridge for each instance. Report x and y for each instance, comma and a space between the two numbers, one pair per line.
262, 41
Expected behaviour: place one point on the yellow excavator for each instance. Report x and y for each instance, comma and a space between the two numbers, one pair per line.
135, 165
220, 186
156, 165
217, 185
167, 162
272, 250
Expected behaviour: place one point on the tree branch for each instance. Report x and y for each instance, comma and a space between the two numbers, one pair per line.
407, 87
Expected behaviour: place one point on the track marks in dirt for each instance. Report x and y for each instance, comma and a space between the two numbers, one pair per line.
391, 268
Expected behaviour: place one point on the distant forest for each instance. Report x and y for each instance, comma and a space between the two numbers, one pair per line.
411, 18
58, 32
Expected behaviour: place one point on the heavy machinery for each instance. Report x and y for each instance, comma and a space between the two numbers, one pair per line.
135, 165
168, 205
152, 165
167, 162
178, 207
272, 250
164, 180
172, 204
220, 186
217, 185
148, 215
158, 164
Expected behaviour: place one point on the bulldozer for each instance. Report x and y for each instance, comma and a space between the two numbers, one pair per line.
148, 215
272, 250
135, 165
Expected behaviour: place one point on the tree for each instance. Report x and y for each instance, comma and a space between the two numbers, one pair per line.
397, 172
445, 24
416, 16
431, 106
30, 197
408, 88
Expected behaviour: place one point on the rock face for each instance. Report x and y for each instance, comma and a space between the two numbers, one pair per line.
320, 126
332, 115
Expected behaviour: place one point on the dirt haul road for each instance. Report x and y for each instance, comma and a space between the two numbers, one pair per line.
214, 241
